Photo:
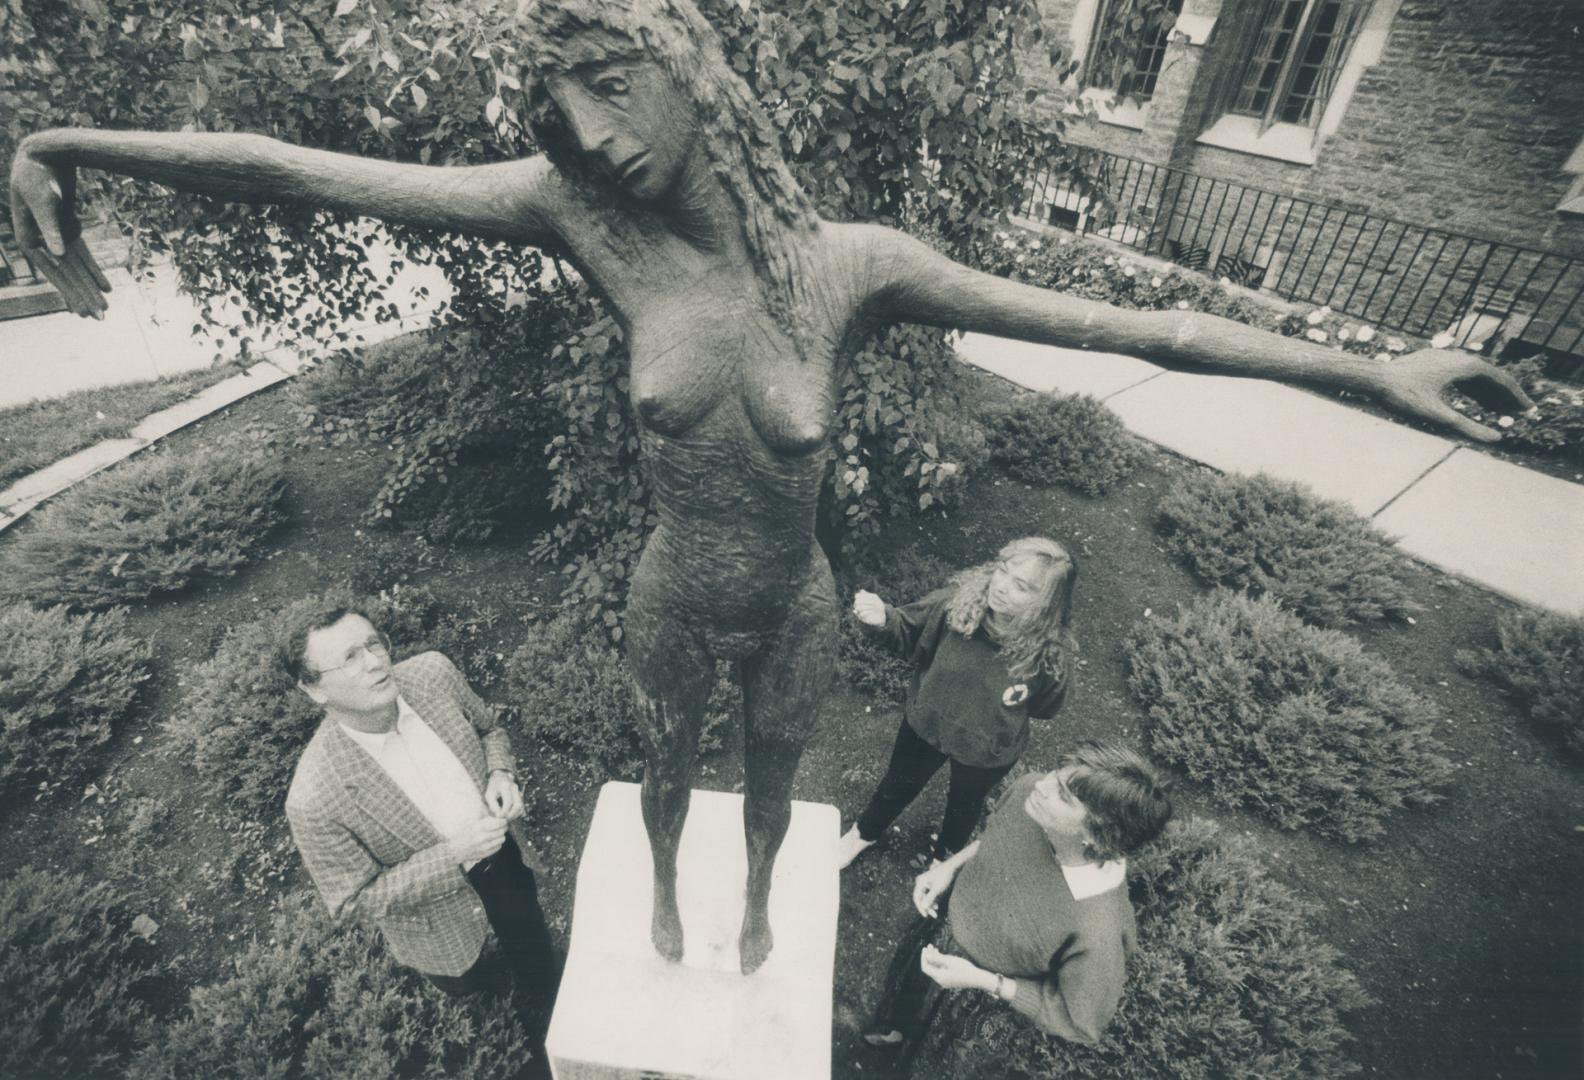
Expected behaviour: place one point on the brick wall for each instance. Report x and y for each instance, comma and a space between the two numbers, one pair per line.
1463, 124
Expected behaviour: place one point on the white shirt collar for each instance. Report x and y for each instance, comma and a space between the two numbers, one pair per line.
1092, 879
374, 742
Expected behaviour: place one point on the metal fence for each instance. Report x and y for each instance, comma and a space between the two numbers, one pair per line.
14, 269
1389, 273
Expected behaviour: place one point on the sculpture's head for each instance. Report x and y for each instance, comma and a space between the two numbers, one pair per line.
635, 93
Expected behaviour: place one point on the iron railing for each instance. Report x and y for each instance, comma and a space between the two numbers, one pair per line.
14, 269
1389, 273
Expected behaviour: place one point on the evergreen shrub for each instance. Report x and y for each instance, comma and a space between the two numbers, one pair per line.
1229, 981
315, 1001
1539, 658
242, 723
864, 663
1069, 439
573, 693
154, 525
73, 976
67, 682
1275, 538
1293, 722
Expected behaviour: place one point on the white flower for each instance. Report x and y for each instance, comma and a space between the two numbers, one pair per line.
1020, 257
1325, 309
1383, 357
1155, 281
1505, 422
1063, 241
1035, 244
1225, 283
1319, 337
1396, 344
1344, 333
1010, 245
1110, 261
1000, 235
1441, 340
1366, 333
1476, 347
1128, 271
1316, 316
1182, 305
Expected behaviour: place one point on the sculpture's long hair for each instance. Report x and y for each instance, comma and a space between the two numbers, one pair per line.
743, 148
1040, 639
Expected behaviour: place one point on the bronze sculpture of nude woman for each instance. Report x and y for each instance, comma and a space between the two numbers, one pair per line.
664, 183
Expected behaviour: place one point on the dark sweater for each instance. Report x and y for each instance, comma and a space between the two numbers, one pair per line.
961, 699
1012, 912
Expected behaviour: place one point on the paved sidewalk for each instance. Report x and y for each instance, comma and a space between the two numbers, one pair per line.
1515, 531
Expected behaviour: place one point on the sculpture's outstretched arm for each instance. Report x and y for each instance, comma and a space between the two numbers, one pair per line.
903, 280
496, 202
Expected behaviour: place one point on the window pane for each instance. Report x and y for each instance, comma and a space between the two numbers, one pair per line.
1125, 57
1279, 25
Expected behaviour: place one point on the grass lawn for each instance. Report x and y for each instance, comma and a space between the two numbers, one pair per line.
1462, 922
40, 433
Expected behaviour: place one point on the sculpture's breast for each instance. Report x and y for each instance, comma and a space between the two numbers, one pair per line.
694, 357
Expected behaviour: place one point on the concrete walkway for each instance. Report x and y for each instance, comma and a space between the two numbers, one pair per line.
1514, 531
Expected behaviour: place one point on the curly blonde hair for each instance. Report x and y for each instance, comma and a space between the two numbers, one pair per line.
1040, 639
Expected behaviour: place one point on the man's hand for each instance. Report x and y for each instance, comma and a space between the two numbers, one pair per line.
954, 972
47, 229
1416, 385
928, 888
503, 796
478, 839
869, 608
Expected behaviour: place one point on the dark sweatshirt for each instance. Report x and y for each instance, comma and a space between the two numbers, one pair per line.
1012, 911
961, 699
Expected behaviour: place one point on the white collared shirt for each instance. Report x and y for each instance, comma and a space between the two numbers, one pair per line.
1092, 879
420, 763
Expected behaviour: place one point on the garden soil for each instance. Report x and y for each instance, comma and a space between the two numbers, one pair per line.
1462, 922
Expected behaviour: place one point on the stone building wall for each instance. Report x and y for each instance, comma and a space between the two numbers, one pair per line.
1463, 123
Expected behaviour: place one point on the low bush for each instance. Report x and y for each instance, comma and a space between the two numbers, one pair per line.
67, 682
464, 423
155, 525
73, 977
572, 691
1229, 981
1068, 439
1275, 538
865, 664
1291, 721
314, 1001
242, 723
1539, 658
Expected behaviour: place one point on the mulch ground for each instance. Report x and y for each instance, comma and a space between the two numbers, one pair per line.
1462, 922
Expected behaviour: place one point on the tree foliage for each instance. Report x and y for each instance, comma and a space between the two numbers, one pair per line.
911, 113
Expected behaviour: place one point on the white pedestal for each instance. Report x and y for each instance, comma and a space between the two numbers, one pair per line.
623, 1012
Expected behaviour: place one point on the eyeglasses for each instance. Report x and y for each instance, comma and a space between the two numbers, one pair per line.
374, 646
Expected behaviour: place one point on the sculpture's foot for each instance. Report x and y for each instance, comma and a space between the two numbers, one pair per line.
753, 948
665, 930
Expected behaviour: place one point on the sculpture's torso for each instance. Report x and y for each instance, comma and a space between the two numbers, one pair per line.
733, 421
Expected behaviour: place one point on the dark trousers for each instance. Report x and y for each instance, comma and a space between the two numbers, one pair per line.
913, 762
908, 997
526, 957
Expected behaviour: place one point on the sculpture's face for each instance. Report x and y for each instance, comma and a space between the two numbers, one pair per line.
631, 120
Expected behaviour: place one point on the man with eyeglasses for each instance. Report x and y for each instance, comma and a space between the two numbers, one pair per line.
406, 811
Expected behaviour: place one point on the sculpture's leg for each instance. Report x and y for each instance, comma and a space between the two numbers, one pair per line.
782, 691
673, 676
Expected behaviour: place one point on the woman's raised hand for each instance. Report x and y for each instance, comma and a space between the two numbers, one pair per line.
869, 608
44, 215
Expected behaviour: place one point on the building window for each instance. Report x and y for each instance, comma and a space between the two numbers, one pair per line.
1298, 54
1573, 201
1128, 46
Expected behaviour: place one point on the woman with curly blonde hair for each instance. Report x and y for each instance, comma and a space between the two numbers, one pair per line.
991, 650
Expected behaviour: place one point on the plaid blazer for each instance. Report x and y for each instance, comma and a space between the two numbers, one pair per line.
371, 853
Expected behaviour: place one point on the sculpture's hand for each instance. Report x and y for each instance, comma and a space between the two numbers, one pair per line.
44, 215
1417, 385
